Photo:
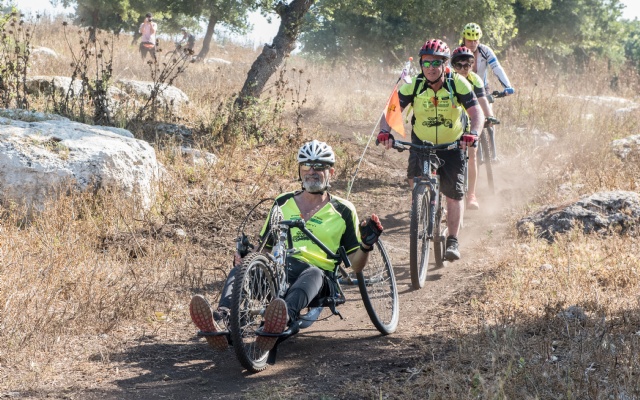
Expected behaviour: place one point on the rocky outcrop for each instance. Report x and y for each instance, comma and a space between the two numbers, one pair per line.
168, 96
41, 154
628, 148
604, 213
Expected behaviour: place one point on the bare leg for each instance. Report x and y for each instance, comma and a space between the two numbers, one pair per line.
454, 216
473, 170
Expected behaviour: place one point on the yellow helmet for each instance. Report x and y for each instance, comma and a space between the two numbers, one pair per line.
472, 31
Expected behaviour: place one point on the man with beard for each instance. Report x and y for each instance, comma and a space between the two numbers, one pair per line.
331, 219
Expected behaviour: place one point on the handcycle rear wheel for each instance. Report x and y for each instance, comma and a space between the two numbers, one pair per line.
419, 235
440, 231
484, 154
253, 290
378, 289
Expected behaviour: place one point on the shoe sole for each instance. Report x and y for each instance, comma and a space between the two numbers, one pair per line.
202, 317
275, 320
471, 206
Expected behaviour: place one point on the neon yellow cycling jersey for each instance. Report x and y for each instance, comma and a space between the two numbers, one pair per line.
438, 117
476, 82
335, 224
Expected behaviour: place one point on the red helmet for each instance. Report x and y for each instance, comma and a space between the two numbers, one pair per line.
435, 47
461, 52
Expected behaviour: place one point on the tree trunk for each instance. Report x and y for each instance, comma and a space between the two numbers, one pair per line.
291, 17
206, 43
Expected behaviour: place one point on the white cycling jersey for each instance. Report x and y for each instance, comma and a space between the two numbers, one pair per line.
485, 56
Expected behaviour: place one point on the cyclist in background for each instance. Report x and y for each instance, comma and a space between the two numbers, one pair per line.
483, 57
440, 98
331, 219
187, 41
462, 62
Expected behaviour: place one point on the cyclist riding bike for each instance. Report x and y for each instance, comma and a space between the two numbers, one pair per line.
483, 57
462, 61
438, 95
331, 219
187, 41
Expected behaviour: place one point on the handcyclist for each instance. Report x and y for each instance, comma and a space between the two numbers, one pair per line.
331, 219
437, 95
462, 62
483, 57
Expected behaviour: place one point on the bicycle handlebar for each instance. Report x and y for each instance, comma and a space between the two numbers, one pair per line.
493, 120
426, 146
498, 94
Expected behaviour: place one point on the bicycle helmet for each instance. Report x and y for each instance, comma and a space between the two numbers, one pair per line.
435, 47
316, 151
471, 31
461, 53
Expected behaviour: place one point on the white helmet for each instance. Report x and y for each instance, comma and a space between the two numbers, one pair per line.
316, 151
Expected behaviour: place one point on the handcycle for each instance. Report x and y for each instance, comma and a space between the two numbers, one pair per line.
487, 150
428, 210
263, 276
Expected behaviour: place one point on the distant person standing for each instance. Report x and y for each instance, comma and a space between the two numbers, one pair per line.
148, 30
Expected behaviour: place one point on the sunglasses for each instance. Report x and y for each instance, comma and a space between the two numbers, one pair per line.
434, 63
461, 65
306, 166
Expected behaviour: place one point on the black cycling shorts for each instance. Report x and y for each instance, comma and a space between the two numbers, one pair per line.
451, 170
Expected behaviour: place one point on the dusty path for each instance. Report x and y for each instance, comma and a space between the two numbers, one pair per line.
174, 364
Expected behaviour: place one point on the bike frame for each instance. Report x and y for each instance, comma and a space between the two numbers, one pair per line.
279, 257
430, 176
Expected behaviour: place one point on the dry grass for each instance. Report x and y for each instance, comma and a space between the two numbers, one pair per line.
90, 266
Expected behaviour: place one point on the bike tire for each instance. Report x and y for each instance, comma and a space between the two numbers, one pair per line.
486, 153
253, 289
418, 236
440, 232
379, 292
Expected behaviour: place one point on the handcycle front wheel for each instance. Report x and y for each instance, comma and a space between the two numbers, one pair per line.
419, 235
378, 289
253, 289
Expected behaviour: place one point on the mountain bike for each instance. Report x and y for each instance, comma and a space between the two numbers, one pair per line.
263, 277
428, 210
487, 150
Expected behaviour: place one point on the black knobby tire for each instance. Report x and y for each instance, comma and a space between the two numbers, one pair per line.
379, 292
253, 289
485, 149
418, 236
440, 232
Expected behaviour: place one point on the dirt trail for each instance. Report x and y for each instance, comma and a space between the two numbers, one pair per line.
175, 364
